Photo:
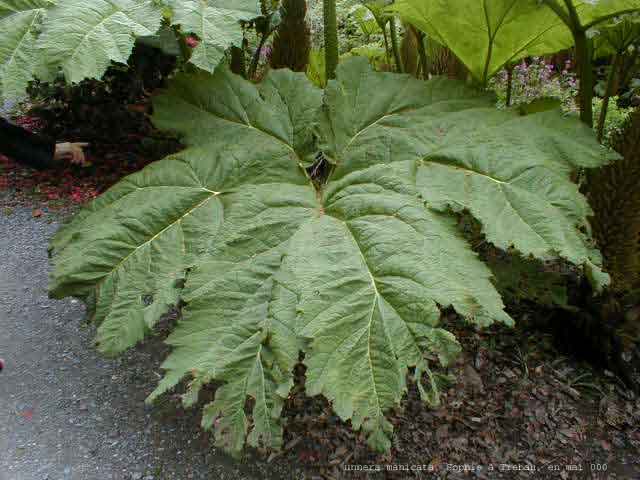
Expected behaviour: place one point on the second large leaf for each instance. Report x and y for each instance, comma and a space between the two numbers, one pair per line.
498, 32
495, 32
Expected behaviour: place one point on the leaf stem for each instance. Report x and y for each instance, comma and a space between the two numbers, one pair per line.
509, 84
394, 43
584, 56
386, 44
237, 61
256, 56
330, 37
422, 52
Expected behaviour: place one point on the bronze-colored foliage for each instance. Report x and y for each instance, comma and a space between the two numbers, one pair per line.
238, 62
615, 197
292, 43
442, 61
409, 50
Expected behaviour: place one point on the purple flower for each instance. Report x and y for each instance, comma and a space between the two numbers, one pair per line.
265, 54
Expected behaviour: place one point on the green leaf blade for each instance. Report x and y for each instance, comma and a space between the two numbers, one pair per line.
497, 32
217, 24
592, 13
354, 274
513, 173
82, 38
19, 24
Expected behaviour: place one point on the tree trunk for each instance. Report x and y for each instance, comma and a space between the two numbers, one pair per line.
292, 43
238, 64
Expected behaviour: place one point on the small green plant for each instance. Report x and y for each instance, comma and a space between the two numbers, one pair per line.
373, 52
615, 119
366, 21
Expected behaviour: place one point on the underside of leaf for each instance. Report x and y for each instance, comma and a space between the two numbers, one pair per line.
496, 31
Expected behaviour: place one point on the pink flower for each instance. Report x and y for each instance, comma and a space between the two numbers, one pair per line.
192, 42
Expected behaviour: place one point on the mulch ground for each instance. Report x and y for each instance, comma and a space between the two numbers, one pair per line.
516, 409
70, 186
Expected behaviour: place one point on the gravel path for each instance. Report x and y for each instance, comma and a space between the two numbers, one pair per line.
66, 413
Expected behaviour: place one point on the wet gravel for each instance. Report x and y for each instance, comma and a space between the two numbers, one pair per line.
66, 413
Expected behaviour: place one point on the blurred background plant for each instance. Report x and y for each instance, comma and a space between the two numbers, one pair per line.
617, 117
537, 78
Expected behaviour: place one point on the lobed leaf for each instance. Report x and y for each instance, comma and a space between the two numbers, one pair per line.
616, 37
513, 173
592, 13
83, 37
217, 24
19, 24
353, 274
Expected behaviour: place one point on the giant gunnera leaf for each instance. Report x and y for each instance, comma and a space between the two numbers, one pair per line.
354, 271
498, 32
19, 23
83, 37
217, 24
